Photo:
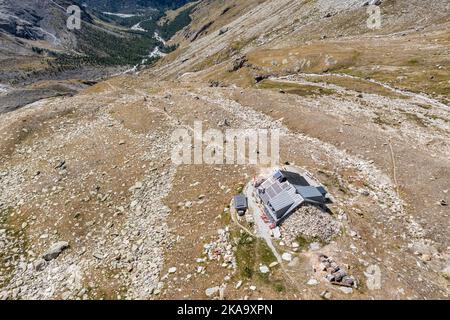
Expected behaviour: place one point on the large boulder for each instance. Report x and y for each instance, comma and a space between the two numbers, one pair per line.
210, 292
55, 250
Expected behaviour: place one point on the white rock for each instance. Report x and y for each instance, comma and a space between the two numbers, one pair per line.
172, 270
353, 233
326, 295
212, 291
98, 255
138, 185
286, 256
40, 264
264, 269
446, 271
200, 269
55, 250
312, 282
346, 290
273, 264
222, 291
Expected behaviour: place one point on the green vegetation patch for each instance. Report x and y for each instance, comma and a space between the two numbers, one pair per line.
304, 241
127, 47
14, 232
279, 286
358, 85
245, 257
415, 119
332, 180
183, 19
294, 88
382, 119
250, 254
238, 45
225, 217
413, 62
130, 49
416, 78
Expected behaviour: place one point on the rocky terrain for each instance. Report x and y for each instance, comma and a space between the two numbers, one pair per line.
92, 207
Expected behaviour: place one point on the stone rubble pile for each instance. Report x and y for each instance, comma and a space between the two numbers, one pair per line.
309, 222
335, 274
221, 249
49, 268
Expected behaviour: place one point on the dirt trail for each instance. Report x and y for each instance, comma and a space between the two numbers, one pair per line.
420, 97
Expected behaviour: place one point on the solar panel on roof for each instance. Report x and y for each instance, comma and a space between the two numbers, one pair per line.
266, 183
276, 187
281, 201
278, 174
270, 192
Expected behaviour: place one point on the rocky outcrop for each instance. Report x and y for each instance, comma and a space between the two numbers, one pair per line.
55, 250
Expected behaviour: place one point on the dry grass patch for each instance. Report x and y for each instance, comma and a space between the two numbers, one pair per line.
358, 85
294, 88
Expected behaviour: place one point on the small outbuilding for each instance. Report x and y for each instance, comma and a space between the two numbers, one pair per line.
240, 204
